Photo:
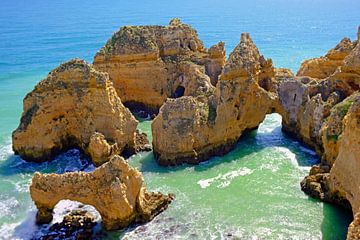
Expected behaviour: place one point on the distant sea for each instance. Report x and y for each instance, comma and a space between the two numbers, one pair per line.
252, 192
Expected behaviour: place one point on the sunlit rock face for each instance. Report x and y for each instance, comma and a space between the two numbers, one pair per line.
67, 108
115, 189
325, 66
158, 61
336, 179
194, 128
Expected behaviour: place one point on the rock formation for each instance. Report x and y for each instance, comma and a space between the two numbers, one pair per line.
337, 181
324, 66
194, 128
163, 61
336, 178
115, 189
74, 106
78, 224
206, 104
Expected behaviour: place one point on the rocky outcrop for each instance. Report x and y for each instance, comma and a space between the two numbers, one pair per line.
354, 228
74, 106
115, 189
158, 60
78, 224
338, 181
194, 128
325, 66
344, 174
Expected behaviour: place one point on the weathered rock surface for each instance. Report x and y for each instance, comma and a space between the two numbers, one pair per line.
354, 228
336, 179
78, 224
160, 61
339, 182
325, 66
74, 106
115, 189
194, 128
345, 172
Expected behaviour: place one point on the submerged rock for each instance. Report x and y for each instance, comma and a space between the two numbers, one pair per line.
74, 106
78, 224
159, 61
115, 189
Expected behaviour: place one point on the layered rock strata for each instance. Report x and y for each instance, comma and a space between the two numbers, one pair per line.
115, 189
193, 128
74, 106
324, 66
160, 61
338, 181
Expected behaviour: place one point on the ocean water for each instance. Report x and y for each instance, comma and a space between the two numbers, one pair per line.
251, 193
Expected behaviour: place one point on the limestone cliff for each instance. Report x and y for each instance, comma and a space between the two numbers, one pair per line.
194, 128
74, 106
345, 172
337, 181
324, 66
158, 61
115, 189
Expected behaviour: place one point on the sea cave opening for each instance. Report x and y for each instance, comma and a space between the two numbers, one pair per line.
179, 92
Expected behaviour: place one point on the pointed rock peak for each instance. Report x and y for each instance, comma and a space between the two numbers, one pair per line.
244, 59
344, 43
175, 22
358, 34
341, 50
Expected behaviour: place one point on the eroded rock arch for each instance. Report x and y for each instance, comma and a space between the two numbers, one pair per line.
115, 190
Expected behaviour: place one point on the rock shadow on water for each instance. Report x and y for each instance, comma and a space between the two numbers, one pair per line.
69, 161
249, 143
335, 221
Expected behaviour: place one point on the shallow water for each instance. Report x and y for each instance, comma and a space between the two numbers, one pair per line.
252, 192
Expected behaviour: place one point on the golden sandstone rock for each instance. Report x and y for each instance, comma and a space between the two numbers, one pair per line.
65, 109
194, 128
323, 67
206, 104
158, 61
115, 189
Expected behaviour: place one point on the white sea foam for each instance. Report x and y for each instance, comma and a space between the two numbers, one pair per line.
7, 206
23, 230
7, 230
289, 154
65, 206
308, 150
23, 186
224, 180
270, 166
5, 150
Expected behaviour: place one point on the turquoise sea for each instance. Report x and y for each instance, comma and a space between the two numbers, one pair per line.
251, 193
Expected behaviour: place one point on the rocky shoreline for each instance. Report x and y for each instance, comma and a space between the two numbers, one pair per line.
201, 102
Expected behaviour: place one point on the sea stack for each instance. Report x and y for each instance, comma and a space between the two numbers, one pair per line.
115, 189
67, 108
159, 61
